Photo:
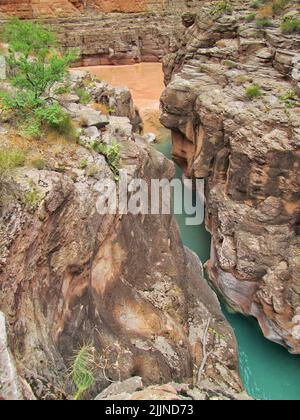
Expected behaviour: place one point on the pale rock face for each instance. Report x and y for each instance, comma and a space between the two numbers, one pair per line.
10, 388
248, 152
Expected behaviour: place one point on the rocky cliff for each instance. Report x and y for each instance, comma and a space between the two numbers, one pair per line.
70, 276
232, 103
110, 32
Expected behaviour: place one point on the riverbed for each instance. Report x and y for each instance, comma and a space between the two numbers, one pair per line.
268, 371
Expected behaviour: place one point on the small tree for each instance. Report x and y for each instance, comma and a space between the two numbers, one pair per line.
35, 66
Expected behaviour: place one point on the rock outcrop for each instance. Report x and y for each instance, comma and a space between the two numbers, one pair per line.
133, 389
232, 106
124, 284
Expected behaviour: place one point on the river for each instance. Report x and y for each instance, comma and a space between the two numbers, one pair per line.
268, 371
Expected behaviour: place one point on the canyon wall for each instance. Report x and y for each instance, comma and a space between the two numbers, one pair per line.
71, 276
248, 150
135, 32
121, 38
35, 9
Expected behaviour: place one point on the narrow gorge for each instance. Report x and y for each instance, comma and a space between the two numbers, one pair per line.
217, 85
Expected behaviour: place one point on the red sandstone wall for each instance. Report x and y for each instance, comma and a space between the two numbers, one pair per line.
61, 8
128, 6
37, 8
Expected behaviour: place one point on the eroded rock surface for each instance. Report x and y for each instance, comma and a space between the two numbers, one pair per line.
249, 153
125, 284
134, 389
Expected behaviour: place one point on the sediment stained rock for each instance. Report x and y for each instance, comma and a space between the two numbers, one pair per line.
249, 153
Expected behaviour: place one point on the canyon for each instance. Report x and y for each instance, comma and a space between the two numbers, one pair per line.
248, 151
128, 284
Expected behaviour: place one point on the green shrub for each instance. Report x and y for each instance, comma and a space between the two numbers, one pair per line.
33, 198
92, 170
63, 90
82, 371
263, 23
221, 8
54, 117
39, 164
253, 92
256, 4
36, 66
289, 99
290, 26
111, 154
83, 164
251, 17
31, 128
279, 5
10, 159
84, 96
33, 57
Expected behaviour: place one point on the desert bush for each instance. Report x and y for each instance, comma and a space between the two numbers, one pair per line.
35, 67
290, 26
279, 5
38, 164
10, 159
251, 17
221, 8
262, 23
289, 99
256, 4
111, 154
253, 92
82, 371
84, 96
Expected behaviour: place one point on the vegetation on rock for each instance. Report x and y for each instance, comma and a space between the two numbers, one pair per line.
290, 25
253, 92
221, 8
112, 156
82, 371
35, 67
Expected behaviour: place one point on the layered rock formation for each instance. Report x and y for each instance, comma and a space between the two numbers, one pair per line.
120, 38
248, 149
124, 284
140, 30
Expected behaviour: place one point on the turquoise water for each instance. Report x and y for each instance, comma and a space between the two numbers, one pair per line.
268, 371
